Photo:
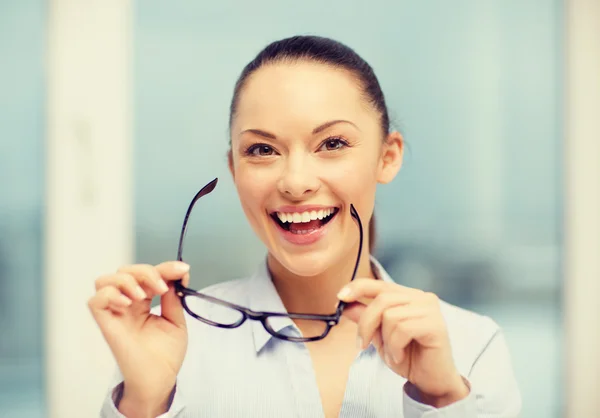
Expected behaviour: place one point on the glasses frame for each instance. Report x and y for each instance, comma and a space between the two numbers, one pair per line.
248, 314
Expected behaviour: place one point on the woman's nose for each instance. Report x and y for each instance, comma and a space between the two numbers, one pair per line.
298, 180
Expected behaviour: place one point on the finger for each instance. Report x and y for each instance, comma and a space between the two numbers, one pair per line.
171, 308
407, 331
369, 288
377, 341
353, 311
117, 310
372, 316
106, 298
126, 283
186, 280
172, 270
147, 276
394, 317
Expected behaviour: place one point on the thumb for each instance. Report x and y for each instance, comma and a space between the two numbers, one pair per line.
171, 308
353, 311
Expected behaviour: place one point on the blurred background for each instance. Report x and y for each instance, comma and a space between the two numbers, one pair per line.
113, 115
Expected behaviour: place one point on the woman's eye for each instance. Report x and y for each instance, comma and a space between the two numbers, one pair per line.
260, 150
333, 144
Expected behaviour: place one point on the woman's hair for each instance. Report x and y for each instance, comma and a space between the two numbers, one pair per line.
323, 51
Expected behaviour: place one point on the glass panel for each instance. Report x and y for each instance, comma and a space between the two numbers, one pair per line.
21, 202
305, 328
214, 312
476, 89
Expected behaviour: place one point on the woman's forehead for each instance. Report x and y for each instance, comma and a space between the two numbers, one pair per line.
303, 89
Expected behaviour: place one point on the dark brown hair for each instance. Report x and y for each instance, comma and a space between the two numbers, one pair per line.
324, 51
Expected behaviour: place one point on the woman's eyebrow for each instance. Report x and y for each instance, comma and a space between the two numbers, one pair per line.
259, 132
315, 131
331, 123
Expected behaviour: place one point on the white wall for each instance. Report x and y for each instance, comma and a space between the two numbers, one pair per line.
88, 224
582, 208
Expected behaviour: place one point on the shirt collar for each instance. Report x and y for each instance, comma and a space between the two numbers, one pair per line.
263, 296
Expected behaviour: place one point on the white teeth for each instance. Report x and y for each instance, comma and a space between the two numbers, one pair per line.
304, 217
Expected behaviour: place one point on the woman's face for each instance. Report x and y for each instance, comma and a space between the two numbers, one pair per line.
305, 145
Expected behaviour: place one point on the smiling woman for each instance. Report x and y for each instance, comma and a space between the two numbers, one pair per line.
309, 113
330, 334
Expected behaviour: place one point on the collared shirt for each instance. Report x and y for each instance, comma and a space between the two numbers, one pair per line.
245, 372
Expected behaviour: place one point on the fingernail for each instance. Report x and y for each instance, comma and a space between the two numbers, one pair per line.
359, 343
181, 267
139, 293
163, 286
344, 293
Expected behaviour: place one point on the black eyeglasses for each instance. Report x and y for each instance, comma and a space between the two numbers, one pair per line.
223, 314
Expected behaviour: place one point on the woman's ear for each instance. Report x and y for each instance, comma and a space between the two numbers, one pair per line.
230, 164
392, 153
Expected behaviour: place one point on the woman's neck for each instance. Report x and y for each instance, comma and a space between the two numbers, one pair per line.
316, 294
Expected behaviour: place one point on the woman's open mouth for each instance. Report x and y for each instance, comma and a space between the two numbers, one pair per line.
303, 223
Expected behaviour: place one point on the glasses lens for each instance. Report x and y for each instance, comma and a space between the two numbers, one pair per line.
213, 312
301, 328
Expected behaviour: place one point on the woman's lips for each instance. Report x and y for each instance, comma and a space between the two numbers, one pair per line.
305, 233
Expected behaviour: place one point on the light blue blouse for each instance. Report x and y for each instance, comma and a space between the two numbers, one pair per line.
245, 372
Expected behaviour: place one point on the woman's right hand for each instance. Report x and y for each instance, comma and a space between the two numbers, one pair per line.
149, 349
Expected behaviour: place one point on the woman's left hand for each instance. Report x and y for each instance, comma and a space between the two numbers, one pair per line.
407, 328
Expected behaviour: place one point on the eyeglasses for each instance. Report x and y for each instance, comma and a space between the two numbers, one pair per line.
223, 314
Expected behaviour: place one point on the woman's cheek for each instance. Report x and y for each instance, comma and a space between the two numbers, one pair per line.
350, 178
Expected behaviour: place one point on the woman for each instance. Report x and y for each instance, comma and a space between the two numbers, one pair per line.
310, 141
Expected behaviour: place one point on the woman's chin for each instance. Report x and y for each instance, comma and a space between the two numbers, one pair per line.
307, 264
